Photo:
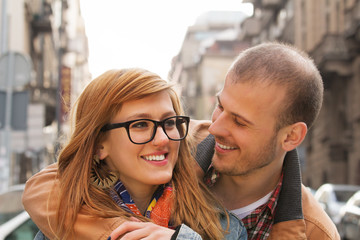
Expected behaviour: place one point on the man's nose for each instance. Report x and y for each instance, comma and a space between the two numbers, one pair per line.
219, 125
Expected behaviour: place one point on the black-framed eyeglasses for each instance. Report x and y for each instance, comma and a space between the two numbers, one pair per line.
141, 131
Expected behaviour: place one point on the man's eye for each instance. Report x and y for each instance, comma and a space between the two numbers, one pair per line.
239, 123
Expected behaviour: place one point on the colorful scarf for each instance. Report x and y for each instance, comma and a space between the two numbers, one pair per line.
159, 209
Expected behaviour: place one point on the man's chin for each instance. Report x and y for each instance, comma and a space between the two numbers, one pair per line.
229, 170
221, 165
223, 169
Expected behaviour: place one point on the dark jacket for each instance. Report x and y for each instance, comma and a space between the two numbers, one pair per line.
297, 214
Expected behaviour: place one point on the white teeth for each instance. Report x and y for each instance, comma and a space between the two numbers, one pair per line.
225, 147
154, 157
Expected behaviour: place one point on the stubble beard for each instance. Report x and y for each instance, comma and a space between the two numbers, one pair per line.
246, 164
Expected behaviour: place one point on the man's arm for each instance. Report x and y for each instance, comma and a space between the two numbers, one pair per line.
41, 195
199, 132
40, 201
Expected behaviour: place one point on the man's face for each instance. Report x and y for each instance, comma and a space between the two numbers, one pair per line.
243, 124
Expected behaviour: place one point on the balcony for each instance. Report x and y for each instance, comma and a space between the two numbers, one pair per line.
332, 55
272, 3
352, 28
41, 24
39, 13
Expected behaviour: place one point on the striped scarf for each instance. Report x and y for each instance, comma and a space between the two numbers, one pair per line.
159, 209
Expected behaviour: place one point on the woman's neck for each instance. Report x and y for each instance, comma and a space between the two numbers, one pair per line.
141, 194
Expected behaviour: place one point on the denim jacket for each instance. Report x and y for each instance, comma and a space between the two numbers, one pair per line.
236, 230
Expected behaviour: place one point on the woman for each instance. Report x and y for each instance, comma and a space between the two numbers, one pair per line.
127, 159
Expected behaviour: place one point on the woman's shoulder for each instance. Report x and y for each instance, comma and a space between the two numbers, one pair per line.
36, 195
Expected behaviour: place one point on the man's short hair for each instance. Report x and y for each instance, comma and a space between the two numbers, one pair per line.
284, 66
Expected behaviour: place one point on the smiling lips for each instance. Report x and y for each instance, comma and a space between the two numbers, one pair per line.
155, 157
224, 147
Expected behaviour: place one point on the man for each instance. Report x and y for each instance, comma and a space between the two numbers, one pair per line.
271, 97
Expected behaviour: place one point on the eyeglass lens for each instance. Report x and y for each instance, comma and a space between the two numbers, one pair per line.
144, 130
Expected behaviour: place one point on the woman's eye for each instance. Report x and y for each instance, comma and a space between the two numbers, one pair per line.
170, 123
143, 124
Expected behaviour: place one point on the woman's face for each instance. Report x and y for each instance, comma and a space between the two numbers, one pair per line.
148, 164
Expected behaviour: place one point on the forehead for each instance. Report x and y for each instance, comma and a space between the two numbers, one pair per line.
154, 106
257, 102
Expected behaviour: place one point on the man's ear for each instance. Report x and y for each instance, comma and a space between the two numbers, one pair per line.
293, 135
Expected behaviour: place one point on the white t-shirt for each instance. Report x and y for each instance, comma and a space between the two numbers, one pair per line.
244, 211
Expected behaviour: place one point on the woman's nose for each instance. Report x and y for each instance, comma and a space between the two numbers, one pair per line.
160, 137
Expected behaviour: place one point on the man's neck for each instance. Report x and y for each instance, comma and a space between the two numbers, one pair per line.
239, 191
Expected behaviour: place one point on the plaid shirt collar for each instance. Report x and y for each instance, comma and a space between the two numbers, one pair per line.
259, 222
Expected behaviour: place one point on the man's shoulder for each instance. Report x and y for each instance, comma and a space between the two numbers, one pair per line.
199, 129
318, 223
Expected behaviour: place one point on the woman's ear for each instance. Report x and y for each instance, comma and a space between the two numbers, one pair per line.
101, 151
293, 135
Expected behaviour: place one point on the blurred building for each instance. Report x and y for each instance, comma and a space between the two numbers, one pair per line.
209, 47
50, 34
329, 31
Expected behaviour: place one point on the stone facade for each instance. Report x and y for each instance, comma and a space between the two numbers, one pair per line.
329, 30
51, 33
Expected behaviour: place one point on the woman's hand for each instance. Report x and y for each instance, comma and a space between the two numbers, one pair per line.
141, 230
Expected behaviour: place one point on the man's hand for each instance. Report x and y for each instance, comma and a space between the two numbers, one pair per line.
141, 230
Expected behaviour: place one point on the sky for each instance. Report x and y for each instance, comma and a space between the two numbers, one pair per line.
143, 33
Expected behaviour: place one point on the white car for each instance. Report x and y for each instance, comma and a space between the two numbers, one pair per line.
334, 196
15, 223
20, 227
349, 227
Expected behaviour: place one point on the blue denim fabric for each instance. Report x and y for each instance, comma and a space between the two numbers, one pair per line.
40, 236
186, 233
236, 230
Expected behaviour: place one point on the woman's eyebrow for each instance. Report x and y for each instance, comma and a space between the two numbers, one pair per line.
149, 116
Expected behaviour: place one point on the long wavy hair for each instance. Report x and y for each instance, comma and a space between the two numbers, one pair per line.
101, 100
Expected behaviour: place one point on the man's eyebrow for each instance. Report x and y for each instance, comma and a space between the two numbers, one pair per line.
235, 114
242, 118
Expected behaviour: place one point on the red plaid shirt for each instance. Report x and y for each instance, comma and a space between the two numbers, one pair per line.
259, 222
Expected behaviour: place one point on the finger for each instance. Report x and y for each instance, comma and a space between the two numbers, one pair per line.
149, 231
134, 219
137, 234
124, 228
